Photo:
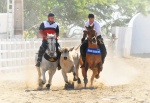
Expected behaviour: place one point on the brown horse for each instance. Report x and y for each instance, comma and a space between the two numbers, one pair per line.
93, 57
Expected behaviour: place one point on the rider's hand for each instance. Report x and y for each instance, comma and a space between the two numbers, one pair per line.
85, 32
82, 40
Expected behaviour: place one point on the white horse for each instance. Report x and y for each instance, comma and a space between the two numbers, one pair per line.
49, 62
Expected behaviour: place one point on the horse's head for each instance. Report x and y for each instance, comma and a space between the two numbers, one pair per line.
51, 39
91, 34
65, 53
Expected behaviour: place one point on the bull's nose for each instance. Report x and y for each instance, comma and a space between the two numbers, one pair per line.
65, 58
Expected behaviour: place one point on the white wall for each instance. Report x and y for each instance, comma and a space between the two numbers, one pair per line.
3, 22
140, 34
123, 43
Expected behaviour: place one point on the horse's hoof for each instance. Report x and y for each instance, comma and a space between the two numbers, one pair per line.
48, 86
66, 85
74, 79
79, 81
69, 86
85, 80
97, 76
43, 83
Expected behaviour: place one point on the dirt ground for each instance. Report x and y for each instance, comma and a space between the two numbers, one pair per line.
123, 80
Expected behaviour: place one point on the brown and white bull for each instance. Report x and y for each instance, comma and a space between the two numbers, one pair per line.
69, 62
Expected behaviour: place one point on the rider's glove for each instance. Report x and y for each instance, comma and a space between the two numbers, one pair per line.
82, 40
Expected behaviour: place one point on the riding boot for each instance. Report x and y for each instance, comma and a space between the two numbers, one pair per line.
40, 54
103, 57
58, 54
83, 48
59, 67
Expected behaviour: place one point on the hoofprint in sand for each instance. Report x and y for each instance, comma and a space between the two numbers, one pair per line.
123, 80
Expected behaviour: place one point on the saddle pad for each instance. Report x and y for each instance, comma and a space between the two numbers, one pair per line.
93, 51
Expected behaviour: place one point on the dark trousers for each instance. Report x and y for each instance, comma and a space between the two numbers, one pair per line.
102, 47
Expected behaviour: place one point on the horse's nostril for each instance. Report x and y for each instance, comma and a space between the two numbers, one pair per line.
65, 58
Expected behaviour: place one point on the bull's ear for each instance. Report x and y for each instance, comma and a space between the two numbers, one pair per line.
71, 49
61, 50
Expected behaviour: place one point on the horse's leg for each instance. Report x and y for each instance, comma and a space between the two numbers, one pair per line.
39, 78
43, 76
100, 67
51, 73
95, 72
77, 73
84, 73
74, 73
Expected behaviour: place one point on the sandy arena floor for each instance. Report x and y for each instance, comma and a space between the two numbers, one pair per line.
123, 80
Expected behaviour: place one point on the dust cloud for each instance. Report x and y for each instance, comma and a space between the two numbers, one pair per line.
115, 72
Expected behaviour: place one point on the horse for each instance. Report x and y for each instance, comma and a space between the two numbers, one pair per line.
93, 57
49, 62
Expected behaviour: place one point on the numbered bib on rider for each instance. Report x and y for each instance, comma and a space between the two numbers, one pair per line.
93, 51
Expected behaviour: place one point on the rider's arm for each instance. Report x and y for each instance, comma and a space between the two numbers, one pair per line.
41, 30
57, 31
97, 28
84, 32
84, 36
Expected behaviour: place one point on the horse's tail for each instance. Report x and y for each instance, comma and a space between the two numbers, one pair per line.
78, 46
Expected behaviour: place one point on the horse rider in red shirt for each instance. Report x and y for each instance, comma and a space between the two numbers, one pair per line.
48, 27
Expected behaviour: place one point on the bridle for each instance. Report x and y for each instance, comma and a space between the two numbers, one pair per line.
92, 33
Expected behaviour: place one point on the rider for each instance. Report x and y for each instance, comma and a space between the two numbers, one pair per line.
49, 27
100, 42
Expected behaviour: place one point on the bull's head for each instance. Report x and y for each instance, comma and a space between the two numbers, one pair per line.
65, 52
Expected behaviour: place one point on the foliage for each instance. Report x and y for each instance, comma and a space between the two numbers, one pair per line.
70, 13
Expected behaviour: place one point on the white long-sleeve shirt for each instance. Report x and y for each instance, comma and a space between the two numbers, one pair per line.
97, 27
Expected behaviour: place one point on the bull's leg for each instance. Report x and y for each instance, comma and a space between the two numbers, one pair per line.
95, 72
67, 84
65, 76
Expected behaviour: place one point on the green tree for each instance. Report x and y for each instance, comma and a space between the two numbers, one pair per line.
70, 13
